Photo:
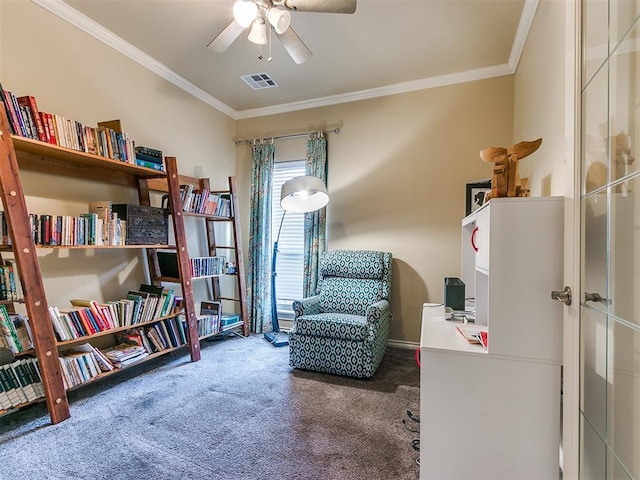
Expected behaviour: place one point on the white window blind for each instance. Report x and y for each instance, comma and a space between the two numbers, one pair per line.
290, 266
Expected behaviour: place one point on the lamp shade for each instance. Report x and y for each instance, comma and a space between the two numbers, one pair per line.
280, 18
258, 33
303, 194
244, 12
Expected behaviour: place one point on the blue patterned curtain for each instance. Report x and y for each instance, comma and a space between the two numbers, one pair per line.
315, 240
259, 265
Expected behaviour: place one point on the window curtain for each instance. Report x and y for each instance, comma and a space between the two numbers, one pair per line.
315, 241
259, 265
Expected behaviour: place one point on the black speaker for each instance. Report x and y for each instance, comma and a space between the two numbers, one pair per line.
454, 293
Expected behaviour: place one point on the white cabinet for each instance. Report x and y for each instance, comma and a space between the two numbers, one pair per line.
495, 413
518, 262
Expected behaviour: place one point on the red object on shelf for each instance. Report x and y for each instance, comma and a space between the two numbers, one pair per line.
473, 239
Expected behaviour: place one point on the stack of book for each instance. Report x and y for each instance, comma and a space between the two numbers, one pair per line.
149, 157
125, 354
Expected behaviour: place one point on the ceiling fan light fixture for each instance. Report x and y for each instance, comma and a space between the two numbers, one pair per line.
258, 33
280, 18
244, 12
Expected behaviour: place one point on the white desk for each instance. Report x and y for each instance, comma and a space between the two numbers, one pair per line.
484, 415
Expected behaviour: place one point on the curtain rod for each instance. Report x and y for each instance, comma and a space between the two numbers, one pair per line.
280, 137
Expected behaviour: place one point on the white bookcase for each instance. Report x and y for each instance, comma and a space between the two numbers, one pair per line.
495, 412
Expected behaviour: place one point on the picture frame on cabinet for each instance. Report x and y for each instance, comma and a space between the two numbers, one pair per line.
475, 193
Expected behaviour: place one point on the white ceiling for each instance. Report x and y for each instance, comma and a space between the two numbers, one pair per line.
385, 47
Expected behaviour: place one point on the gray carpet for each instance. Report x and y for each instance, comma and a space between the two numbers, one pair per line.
239, 413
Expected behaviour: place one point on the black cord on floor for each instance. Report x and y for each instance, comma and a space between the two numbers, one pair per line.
412, 416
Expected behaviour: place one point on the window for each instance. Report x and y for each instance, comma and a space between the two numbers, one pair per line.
290, 258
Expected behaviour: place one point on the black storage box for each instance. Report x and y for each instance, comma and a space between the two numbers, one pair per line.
454, 293
145, 225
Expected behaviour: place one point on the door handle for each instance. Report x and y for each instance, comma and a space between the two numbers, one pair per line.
564, 296
596, 297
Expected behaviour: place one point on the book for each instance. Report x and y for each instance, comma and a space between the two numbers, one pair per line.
154, 166
102, 210
471, 332
148, 158
151, 152
10, 114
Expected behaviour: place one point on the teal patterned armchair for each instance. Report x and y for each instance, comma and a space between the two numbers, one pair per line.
344, 329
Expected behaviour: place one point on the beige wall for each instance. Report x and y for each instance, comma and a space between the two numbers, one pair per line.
397, 175
540, 101
397, 169
72, 74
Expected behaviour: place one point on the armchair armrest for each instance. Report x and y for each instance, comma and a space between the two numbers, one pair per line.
378, 310
307, 306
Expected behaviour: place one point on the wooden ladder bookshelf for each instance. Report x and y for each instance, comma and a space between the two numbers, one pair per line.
24, 153
216, 249
234, 251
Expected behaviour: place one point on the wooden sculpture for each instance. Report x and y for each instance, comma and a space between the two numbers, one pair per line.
505, 181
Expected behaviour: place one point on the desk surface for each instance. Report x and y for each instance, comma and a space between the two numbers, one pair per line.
441, 334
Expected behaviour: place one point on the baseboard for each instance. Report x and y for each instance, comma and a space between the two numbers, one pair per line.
403, 344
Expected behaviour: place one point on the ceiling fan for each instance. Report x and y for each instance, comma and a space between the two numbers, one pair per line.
275, 14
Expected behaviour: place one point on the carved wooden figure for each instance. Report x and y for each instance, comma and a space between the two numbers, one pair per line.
505, 181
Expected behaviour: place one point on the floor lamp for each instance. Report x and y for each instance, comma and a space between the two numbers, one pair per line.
300, 195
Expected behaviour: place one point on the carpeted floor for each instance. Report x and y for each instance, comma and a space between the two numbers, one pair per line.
239, 413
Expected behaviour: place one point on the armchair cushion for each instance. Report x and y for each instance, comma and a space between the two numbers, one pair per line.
349, 295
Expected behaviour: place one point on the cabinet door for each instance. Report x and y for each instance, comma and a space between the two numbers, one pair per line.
481, 238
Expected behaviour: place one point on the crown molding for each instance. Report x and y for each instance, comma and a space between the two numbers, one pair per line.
84, 23
71, 15
404, 87
524, 26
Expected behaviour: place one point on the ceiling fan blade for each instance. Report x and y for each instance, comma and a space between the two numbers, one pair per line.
328, 6
226, 37
294, 46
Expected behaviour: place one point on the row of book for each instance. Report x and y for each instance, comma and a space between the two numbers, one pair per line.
16, 331
82, 364
67, 230
106, 140
84, 229
205, 202
162, 335
207, 266
88, 317
85, 362
20, 382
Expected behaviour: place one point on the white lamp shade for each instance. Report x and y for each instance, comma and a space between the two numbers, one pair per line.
258, 33
303, 194
280, 18
244, 12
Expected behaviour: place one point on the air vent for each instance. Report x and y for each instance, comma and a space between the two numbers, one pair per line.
258, 81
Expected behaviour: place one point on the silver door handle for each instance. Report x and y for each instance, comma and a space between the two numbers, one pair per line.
563, 296
596, 297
